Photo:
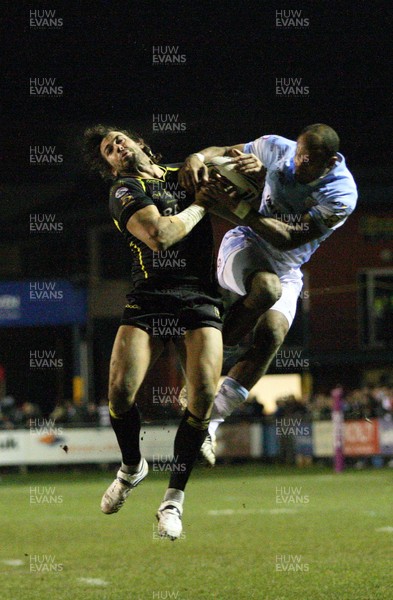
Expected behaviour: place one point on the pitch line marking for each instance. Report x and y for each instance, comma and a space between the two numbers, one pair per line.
92, 581
250, 511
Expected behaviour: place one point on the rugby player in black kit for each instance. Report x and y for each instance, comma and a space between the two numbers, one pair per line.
173, 298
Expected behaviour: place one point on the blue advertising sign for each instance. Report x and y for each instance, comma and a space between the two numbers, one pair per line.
42, 302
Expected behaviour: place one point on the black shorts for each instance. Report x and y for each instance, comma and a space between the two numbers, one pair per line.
170, 312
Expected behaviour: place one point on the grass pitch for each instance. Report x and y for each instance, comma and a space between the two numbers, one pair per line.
250, 531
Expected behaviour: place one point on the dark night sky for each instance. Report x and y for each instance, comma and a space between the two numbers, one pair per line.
224, 92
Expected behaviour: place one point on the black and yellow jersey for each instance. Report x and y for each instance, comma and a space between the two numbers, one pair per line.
190, 261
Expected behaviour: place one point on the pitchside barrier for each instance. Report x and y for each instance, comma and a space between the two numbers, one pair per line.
57, 445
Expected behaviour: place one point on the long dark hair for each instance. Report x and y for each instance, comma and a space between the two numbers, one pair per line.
92, 139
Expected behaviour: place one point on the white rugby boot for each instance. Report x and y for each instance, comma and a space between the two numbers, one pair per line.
120, 488
169, 519
208, 450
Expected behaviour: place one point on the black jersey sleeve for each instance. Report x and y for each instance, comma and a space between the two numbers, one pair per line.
126, 198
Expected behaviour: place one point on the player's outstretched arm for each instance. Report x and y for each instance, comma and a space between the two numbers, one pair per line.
160, 233
280, 234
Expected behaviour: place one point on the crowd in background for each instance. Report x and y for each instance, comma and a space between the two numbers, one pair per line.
28, 414
367, 402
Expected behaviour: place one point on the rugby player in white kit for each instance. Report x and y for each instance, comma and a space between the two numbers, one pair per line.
309, 192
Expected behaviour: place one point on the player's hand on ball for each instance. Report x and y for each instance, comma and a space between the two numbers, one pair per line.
219, 191
249, 164
204, 196
193, 173
222, 188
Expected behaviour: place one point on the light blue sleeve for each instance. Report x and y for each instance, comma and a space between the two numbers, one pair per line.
269, 149
335, 203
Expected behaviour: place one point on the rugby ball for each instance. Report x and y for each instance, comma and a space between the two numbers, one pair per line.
247, 187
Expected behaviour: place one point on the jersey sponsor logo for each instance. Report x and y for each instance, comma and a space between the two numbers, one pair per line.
135, 306
121, 191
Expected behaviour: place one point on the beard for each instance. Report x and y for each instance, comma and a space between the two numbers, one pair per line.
134, 162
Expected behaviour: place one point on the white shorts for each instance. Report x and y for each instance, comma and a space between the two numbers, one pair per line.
236, 262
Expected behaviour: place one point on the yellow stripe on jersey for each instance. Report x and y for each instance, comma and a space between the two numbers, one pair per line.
135, 247
165, 169
117, 225
138, 251
140, 179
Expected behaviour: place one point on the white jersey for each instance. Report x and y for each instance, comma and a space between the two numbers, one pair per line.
329, 199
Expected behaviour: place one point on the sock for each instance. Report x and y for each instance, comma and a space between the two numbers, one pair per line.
188, 441
131, 469
127, 428
214, 424
230, 395
175, 495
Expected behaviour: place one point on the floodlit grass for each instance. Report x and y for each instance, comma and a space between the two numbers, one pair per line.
250, 531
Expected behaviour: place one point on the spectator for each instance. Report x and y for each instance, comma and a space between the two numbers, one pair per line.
25, 414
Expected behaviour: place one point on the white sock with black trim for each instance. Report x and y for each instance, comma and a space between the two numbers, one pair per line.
230, 395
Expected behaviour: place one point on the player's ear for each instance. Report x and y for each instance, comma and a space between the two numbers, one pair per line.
332, 161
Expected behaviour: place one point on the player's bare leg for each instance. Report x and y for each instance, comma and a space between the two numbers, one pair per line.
265, 290
134, 351
203, 366
269, 334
